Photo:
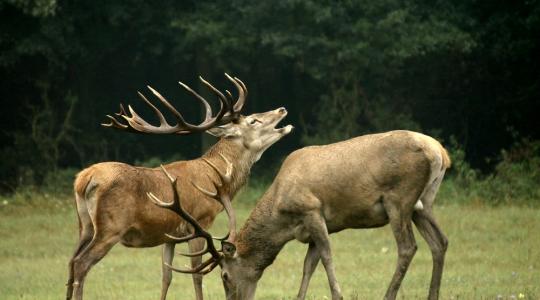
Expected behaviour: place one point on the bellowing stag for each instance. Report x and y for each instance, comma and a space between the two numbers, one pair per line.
365, 182
111, 200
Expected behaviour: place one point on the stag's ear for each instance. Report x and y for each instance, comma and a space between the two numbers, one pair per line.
227, 130
228, 248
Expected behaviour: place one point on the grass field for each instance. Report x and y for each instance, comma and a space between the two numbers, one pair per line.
494, 252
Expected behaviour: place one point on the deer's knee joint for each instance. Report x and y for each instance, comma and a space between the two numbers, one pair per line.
408, 251
444, 244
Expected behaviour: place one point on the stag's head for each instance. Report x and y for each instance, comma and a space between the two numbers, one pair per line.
239, 277
255, 132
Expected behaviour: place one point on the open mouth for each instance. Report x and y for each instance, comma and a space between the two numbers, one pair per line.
283, 130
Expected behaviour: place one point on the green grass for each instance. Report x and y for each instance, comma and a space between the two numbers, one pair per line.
493, 251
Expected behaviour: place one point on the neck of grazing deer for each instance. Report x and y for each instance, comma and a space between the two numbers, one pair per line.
241, 158
263, 235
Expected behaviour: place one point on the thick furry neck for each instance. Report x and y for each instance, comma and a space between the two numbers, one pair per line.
241, 158
263, 235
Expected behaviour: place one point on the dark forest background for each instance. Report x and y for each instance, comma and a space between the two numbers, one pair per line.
466, 72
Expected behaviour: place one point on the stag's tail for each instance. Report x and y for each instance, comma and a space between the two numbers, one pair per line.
84, 189
440, 161
447, 162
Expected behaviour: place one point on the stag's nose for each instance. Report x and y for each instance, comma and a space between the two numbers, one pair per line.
282, 110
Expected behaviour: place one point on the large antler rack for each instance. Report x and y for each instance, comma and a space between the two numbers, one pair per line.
222, 195
227, 112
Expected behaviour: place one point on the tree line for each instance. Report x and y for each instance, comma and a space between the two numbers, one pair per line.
463, 71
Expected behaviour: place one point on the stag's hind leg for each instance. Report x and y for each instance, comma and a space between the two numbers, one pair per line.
85, 236
438, 243
310, 263
100, 245
401, 224
432, 233
86, 232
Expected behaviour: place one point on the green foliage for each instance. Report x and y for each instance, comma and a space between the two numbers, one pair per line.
515, 180
342, 69
36, 8
59, 182
517, 176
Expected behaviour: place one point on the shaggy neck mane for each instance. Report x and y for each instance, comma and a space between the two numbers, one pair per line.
260, 240
241, 158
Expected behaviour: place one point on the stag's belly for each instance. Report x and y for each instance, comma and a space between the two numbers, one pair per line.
142, 237
151, 231
352, 214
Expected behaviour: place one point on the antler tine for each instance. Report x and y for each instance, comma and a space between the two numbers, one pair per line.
198, 231
207, 106
176, 199
205, 191
162, 120
240, 103
242, 84
114, 122
226, 105
242, 93
181, 239
204, 268
171, 108
137, 123
222, 194
158, 202
225, 177
229, 96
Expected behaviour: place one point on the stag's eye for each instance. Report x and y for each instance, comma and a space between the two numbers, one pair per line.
253, 121
225, 276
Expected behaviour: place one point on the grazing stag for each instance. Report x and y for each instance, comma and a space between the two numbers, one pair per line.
111, 200
365, 182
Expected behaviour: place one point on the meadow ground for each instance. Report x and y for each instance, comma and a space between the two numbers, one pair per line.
493, 252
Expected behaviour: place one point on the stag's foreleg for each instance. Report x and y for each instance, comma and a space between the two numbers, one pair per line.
166, 273
401, 224
316, 226
197, 245
310, 263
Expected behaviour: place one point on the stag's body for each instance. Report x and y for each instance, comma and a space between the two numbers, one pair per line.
111, 197
369, 181
104, 187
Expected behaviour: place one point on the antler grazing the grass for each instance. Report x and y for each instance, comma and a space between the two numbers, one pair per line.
227, 112
222, 195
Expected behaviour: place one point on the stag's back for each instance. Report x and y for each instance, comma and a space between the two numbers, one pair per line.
348, 179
